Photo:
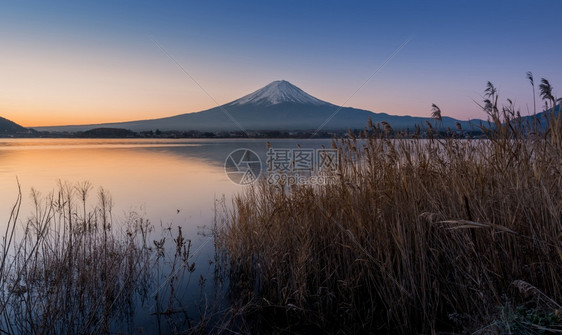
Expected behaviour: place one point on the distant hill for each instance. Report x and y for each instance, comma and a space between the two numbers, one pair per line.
277, 106
541, 117
8, 127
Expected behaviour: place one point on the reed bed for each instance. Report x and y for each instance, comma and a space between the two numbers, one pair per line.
72, 268
67, 269
442, 234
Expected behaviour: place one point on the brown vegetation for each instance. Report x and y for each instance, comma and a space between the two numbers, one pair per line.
443, 234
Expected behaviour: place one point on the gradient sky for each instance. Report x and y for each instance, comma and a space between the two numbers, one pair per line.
78, 62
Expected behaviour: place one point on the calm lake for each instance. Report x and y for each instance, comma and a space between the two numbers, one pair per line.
169, 182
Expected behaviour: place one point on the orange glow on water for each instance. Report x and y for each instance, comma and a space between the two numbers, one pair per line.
158, 176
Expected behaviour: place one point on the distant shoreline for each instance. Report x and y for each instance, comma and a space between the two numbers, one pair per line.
281, 134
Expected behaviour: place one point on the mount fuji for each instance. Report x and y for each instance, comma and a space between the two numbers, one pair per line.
277, 92
279, 105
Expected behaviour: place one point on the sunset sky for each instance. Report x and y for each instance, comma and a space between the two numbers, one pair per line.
79, 62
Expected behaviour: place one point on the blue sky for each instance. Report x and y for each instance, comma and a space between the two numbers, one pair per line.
82, 62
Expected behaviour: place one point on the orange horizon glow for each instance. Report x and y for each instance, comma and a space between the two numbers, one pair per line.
32, 121
26, 117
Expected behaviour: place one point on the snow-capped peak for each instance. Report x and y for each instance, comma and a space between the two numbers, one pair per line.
278, 92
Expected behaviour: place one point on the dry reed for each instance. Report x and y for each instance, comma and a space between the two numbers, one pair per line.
67, 270
415, 236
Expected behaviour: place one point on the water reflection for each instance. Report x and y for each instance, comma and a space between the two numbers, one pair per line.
173, 183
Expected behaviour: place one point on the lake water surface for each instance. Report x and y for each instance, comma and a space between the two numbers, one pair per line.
170, 182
